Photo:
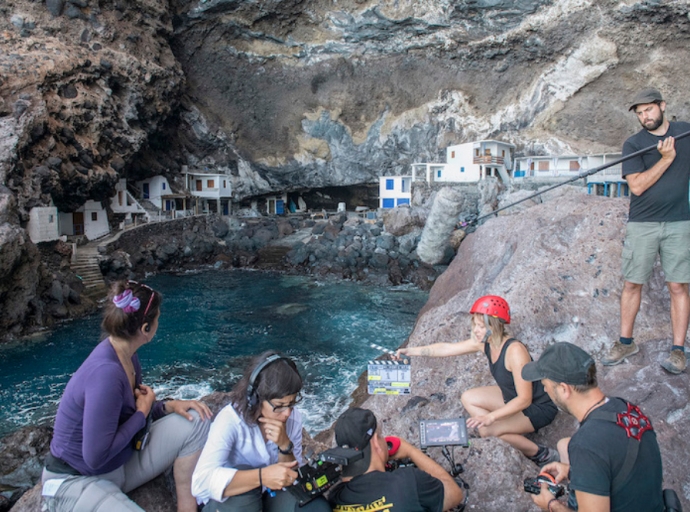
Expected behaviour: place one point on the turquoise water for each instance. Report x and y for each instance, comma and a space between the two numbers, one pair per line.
211, 322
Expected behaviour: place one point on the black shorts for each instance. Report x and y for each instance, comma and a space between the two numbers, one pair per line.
540, 415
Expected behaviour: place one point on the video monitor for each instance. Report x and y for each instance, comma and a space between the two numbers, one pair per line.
448, 432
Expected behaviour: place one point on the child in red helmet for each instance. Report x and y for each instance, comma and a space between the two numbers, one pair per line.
514, 407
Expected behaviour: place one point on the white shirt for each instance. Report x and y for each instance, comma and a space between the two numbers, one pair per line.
234, 445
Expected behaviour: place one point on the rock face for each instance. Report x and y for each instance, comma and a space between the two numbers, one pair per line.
285, 96
558, 265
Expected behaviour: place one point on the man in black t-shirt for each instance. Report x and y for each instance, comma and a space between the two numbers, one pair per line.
367, 485
609, 471
658, 223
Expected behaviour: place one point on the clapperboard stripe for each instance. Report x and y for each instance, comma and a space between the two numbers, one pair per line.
386, 377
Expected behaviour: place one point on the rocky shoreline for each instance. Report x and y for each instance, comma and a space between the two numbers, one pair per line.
558, 266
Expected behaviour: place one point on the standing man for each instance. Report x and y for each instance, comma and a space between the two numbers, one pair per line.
658, 223
615, 463
368, 486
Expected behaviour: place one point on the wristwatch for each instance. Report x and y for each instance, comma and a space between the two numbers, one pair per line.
288, 450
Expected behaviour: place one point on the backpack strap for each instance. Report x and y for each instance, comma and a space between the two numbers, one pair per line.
635, 425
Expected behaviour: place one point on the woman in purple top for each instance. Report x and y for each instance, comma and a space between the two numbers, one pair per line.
111, 434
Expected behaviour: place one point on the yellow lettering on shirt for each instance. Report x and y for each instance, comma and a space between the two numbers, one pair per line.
374, 506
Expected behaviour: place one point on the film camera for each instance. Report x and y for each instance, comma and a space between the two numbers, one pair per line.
533, 485
321, 473
324, 471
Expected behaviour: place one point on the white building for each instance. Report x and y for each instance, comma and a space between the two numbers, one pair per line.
213, 191
153, 189
124, 202
608, 182
469, 162
43, 224
89, 220
394, 191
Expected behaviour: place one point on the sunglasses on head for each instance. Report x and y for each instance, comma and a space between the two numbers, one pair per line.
142, 285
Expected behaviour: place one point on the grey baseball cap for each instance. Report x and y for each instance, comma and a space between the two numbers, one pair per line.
560, 362
646, 95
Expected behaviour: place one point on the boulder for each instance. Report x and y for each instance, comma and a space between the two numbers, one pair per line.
558, 265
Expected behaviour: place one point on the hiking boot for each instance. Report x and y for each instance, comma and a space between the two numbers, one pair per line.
675, 362
618, 352
549, 455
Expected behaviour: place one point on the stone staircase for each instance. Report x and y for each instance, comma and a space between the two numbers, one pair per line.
85, 265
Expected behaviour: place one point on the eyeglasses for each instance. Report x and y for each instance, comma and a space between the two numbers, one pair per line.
282, 408
150, 297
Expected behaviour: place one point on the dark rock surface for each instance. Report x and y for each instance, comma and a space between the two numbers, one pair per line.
558, 265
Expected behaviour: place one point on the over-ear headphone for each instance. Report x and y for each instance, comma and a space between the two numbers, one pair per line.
252, 395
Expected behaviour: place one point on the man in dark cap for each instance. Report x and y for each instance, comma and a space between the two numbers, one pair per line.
658, 223
367, 485
613, 462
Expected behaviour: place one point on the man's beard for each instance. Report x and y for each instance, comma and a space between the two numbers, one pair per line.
656, 124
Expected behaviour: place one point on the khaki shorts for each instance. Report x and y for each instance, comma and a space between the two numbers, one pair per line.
644, 240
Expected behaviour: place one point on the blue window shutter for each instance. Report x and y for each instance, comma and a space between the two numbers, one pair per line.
389, 203
403, 201
462, 169
438, 174
389, 185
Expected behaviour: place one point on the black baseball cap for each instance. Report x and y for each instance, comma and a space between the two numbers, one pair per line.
646, 95
560, 362
354, 429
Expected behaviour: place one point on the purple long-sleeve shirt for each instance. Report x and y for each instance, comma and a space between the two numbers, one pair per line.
97, 417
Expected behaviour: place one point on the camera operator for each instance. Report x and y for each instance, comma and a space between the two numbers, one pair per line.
608, 471
367, 485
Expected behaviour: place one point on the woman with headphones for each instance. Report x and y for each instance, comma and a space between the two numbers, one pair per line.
512, 408
255, 443
111, 435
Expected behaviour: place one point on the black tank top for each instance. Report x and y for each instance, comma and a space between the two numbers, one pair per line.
504, 378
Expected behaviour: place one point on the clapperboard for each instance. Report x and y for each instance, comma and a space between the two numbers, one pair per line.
388, 377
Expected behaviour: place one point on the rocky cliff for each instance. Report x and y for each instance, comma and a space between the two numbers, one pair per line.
288, 95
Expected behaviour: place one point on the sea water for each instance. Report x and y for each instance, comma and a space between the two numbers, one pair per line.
211, 324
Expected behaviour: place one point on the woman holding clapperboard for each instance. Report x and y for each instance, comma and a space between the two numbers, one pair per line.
512, 408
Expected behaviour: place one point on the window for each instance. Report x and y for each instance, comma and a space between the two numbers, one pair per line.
438, 173
403, 201
452, 154
390, 185
476, 152
389, 203
209, 183
462, 169
487, 152
224, 185
544, 165
503, 153
94, 216
119, 197
50, 219
574, 165
405, 186
163, 185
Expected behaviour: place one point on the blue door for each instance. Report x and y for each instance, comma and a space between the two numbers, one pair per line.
280, 207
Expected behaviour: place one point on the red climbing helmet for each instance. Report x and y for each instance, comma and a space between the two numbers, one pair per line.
492, 305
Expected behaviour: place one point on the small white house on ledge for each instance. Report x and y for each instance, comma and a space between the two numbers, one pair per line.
394, 191
153, 189
89, 220
212, 191
469, 162
43, 224
124, 202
